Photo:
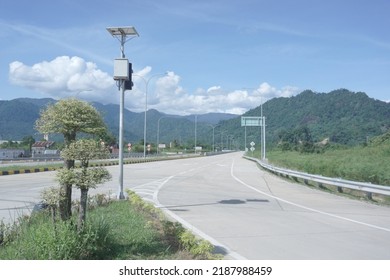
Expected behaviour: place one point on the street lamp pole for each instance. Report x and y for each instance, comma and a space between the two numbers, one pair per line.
196, 123
262, 130
146, 103
213, 126
214, 138
263, 120
146, 109
122, 34
158, 133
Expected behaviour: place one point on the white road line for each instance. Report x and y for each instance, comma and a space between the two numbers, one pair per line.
305, 207
189, 226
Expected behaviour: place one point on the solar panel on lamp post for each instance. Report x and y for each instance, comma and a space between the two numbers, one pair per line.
123, 34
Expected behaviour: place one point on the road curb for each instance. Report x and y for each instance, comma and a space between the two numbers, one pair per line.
43, 169
29, 170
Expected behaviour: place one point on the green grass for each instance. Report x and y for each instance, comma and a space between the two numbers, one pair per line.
117, 230
131, 237
38, 238
364, 164
361, 163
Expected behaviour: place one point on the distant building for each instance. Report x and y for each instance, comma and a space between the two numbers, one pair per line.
12, 153
42, 149
7, 141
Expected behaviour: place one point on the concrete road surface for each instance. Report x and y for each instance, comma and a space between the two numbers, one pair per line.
246, 212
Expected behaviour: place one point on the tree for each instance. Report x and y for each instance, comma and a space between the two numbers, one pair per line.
299, 138
28, 141
84, 178
69, 117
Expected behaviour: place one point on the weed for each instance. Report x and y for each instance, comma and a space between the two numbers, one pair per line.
116, 230
177, 236
365, 164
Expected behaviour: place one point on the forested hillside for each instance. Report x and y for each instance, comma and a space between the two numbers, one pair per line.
340, 116
17, 118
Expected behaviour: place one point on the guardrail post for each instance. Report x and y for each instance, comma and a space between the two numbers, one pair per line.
367, 188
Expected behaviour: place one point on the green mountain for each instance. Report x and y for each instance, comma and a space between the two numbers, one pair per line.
17, 118
341, 116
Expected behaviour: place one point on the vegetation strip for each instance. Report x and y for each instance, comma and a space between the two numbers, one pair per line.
109, 163
115, 230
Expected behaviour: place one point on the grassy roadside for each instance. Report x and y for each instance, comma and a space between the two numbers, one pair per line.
115, 230
363, 164
369, 163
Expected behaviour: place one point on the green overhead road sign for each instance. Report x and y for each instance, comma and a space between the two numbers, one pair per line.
251, 121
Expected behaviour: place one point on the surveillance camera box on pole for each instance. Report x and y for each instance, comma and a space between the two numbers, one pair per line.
121, 69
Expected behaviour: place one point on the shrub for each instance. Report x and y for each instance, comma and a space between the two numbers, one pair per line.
41, 239
177, 236
198, 247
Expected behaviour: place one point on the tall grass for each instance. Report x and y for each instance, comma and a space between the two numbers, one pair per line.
128, 229
131, 236
114, 231
38, 238
365, 164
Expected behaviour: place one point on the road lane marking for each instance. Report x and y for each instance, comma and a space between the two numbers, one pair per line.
191, 227
305, 207
157, 185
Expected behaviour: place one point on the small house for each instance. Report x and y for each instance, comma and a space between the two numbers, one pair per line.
41, 148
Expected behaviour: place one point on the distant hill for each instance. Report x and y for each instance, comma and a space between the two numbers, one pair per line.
212, 118
343, 116
17, 118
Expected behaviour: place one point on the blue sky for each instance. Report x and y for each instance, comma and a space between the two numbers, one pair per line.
198, 56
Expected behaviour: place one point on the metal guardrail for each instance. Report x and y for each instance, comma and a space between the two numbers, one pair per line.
340, 183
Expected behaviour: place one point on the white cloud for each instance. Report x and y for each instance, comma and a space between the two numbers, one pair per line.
214, 90
62, 77
73, 76
143, 72
171, 98
268, 92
